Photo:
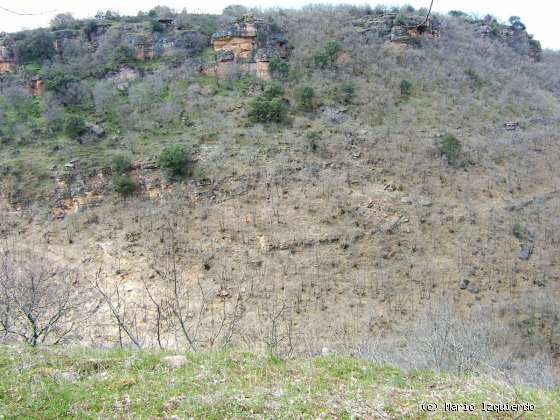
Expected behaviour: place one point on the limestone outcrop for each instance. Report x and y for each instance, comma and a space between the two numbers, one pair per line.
64, 36
36, 85
166, 43
397, 29
515, 37
248, 46
7, 55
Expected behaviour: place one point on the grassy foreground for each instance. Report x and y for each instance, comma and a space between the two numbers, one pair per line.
62, 383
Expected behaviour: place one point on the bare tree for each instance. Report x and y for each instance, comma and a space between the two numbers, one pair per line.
276, 327
38, 302
117, 306
203, 315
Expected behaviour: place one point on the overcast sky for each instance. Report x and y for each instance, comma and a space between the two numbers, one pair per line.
540, 16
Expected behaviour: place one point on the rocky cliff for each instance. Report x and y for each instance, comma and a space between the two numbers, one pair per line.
515, 37
248, 45
148, 44
7, 55
396, 28
166, 43
406, 30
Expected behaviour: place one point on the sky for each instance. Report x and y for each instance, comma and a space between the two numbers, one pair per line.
540, 16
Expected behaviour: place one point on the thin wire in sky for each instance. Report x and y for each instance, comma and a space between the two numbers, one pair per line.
26, 14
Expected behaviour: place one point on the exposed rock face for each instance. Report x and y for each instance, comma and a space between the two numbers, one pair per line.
124, 78
36, 85
101, 29
403, 31
66, 36
167, 43
518, 39
7, 56
248, 46
399, 30
77, 189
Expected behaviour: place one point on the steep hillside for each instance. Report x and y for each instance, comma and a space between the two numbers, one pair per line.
392, 192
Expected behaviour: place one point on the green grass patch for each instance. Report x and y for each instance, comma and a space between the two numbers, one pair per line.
58, 383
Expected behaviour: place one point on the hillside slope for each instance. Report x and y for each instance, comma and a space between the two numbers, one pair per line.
394, 196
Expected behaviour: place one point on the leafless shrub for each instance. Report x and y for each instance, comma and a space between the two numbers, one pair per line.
38, 303
187, 311
445, 339
110, 293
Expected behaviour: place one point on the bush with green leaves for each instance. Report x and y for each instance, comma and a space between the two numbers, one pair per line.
63, 21
175, 161
273, 90
457, 13
518, 231
400, 19
123, 55
515, 22
279, 67
260, 38
121, 164
449, 146
406, 89
89, 28
327, 55
321, 60
20, 100
475, 79
312, 137
36, 45
269, 107
124, 184
156, 26
343, 93
305, 98
265, 110
57, 79
332, 49
74, 126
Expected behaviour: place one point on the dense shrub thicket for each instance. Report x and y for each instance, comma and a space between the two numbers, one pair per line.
36, 45
124, 185
122, 164
269, 106
449, 146
175, 161
74, 126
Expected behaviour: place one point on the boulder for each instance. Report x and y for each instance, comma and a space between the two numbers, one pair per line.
426, 202
225, 55
473, 289
174, 362
95, 129
526, 251
334, 115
